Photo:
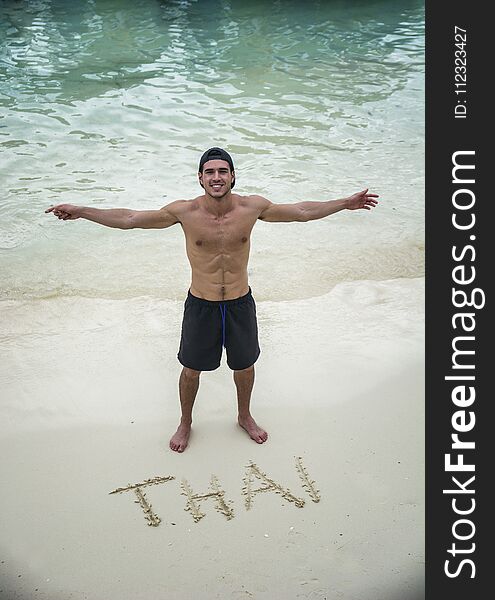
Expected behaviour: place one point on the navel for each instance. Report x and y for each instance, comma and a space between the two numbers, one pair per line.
199, 242
244, 240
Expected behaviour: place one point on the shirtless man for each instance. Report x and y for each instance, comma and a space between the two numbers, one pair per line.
219, 310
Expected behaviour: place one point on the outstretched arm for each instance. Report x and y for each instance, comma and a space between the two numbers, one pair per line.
120, 218
310, 211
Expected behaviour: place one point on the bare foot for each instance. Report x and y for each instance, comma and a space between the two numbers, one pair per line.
179, 440
255, 433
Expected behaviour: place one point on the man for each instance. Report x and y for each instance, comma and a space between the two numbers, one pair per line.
219, 310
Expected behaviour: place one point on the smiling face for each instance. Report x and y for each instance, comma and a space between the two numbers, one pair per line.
217, 179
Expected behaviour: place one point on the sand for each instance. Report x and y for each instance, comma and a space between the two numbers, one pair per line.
332, 506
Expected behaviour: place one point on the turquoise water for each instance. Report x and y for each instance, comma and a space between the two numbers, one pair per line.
111, 103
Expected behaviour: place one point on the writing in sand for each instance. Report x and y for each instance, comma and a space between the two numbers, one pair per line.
222, 505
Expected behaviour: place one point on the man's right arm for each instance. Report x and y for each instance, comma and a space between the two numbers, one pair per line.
121, 218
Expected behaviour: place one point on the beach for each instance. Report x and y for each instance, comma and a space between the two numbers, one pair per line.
350, 407
111, 105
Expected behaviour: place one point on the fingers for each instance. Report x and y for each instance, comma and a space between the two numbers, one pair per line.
365, 195
58, 212
369, 203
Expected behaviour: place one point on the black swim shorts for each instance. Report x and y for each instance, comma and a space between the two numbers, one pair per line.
209, 325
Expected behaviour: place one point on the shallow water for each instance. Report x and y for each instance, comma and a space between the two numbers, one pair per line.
108, 103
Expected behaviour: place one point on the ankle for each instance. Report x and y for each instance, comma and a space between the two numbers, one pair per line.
186, 422
244, 415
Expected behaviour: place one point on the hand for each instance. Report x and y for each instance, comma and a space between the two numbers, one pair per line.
65, 212
362, 200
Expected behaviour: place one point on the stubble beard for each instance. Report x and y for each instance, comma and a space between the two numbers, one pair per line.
219, 198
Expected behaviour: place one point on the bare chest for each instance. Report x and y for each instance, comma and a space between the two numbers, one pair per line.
223, 234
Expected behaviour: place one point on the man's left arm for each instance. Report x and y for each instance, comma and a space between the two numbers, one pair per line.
310, 211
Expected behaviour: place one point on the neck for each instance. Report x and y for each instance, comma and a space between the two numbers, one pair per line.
218, 206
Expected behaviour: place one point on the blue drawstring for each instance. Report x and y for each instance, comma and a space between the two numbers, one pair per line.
223, 322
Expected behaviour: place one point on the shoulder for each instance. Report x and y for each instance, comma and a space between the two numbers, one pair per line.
254, 202
179, 208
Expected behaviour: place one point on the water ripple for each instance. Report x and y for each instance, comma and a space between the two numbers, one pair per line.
112, 105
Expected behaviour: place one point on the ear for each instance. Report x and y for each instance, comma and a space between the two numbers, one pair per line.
233, 179
200, 178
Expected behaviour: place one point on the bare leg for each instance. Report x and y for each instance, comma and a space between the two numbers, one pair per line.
244, 381
188, 388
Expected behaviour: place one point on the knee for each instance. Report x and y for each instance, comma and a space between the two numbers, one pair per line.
248, 370
191, 373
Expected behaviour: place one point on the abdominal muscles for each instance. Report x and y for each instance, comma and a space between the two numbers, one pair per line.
219, 273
